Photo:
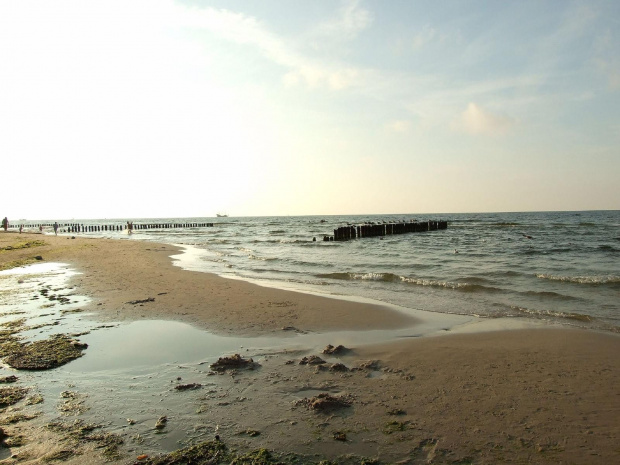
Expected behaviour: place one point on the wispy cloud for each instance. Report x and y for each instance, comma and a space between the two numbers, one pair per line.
477, 121
300, 69
399, 126
349, 21
611, 69
607, 61
427, 36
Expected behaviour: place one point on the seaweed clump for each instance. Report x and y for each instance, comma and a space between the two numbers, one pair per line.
11, 395
325, 402
338, 350
79, 433
216, 452
312, 360
232, 362
58, 350
203, 453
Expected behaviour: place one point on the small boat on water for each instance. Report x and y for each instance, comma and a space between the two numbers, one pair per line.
221, 215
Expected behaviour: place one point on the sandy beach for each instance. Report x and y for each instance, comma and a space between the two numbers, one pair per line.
547, 395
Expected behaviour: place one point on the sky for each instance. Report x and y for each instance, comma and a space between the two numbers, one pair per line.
162, 108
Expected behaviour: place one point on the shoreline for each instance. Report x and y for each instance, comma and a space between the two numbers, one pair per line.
542, 395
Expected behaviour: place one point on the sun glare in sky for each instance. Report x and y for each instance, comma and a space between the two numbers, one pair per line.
164, 108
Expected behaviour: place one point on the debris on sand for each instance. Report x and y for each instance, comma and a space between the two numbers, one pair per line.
312, 360
296, 330
161, 422
187, 387
42, 355
141, 301
338, 350
395, 426
251, 432
338, 367
369, 365
325, 402
234, 361
34, 400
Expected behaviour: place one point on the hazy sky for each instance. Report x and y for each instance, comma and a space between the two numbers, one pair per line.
161, 108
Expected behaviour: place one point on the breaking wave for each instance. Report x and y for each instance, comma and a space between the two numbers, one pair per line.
593, 280
521, 311
392, 278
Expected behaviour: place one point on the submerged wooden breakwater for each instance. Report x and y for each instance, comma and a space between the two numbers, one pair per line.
349, 232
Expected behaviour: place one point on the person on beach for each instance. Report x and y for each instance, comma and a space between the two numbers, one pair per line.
5, 223
56, 228
129, 227
21, 228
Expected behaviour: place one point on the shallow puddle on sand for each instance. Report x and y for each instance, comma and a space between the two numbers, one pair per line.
126, 379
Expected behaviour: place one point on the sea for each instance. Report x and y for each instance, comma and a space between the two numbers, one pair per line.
560, 267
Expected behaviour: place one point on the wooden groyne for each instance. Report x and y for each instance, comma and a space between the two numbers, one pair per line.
349, 232
83, 228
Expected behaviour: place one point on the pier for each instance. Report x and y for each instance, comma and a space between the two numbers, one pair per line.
350, 232
83, 228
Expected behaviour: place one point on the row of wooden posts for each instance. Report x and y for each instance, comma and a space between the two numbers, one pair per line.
346, 233
73, 227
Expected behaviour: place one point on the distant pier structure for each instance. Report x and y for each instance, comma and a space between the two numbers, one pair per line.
349, 232
83, 228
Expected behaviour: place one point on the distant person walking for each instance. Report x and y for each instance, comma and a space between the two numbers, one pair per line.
5, 223
56, 228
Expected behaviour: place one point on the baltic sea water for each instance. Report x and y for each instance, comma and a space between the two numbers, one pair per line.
556, 266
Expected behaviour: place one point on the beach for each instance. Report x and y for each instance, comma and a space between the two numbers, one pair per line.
543, 395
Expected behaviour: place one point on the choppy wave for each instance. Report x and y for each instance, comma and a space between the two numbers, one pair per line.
389, 277
594, 280
550, 295
385, 277
264, 259
582, 317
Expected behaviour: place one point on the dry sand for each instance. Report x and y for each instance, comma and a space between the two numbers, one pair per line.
523, 396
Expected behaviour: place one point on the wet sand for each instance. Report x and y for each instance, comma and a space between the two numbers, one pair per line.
523, 396
117, 272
